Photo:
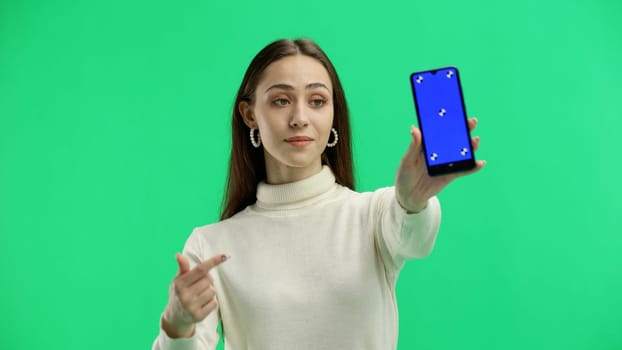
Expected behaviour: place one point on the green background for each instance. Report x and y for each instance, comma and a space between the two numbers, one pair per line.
114, 142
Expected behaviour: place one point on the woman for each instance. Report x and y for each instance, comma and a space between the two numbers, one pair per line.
314, 263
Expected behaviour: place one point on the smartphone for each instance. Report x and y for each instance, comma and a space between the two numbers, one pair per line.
441, 113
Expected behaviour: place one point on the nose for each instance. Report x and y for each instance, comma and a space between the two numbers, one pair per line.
299, 117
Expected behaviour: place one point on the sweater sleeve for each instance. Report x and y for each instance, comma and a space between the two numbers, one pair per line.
206, 332
401, 236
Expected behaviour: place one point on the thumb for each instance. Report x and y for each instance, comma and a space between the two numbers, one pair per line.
184, 265
415, 146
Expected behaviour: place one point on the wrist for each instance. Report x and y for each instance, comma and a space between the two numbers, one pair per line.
417, 210
413, 209
175, 331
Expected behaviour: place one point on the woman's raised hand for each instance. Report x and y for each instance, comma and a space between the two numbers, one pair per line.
191, 297
413, 184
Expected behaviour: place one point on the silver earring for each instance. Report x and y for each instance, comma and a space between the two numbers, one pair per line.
257, 143
334, 143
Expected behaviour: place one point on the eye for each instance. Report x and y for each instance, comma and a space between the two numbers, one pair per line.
280, 102
318, 102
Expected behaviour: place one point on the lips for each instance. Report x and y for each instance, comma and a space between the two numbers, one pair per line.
298, 139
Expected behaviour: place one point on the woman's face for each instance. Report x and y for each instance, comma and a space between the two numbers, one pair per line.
293, 110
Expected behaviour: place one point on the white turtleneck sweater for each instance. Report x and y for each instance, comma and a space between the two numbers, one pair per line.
313, 266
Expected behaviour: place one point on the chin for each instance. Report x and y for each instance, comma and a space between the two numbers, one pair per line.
301, 161
295, 159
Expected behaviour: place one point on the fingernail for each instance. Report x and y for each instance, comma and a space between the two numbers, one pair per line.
226, 257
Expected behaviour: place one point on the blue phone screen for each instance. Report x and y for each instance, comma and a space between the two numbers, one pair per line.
441, 113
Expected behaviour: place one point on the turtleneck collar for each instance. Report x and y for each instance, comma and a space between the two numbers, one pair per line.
272, 196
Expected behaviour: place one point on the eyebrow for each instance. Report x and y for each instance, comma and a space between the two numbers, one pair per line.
290, 88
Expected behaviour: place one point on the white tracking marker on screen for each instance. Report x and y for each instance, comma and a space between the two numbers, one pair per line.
442, 112
419, 79
433, 156
450, 74
464, 151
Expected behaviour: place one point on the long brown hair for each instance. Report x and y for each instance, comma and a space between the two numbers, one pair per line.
247, 165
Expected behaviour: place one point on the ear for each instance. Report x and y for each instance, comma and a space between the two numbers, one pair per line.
246, 110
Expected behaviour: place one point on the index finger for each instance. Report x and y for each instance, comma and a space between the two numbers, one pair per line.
203, 268
472, 122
